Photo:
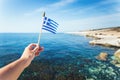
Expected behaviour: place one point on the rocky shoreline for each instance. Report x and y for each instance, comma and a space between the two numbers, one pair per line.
109, 37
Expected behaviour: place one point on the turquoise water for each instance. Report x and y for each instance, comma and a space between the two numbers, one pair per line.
66, 57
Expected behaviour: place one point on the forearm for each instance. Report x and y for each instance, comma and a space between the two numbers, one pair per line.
13, 70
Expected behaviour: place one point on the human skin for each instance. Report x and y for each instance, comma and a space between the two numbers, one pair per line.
13, 70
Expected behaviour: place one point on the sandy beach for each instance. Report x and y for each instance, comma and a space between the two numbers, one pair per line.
109, 37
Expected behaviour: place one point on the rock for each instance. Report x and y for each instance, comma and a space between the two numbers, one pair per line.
117, 65
110, 69
94, 70
104, 66
90, 79
116, 59
102, 56
117, 54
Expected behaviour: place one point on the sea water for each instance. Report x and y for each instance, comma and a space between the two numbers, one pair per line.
65, 57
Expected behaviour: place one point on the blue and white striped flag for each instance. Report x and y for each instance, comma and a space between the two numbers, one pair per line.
50, 25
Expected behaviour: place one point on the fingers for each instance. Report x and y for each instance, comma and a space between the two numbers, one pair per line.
39, 50
32, 46
35, 48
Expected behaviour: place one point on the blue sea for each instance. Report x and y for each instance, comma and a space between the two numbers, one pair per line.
65, 57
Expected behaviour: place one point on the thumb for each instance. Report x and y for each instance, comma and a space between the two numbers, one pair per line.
36, 49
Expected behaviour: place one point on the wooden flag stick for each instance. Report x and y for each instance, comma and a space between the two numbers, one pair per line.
41, 29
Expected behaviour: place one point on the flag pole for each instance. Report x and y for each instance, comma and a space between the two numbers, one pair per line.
41, 28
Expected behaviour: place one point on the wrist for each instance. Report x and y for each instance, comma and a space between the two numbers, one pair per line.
25, 62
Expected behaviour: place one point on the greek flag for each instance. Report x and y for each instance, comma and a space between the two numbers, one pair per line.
50, 25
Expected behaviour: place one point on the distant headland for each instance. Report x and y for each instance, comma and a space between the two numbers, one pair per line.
109, 37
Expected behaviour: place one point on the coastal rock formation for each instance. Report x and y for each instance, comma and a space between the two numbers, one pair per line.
116, 59
109, 37
102, 56
108, 42
117, 54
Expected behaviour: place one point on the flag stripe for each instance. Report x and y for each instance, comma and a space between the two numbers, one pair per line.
52, 21
48, 30
46, 20
51, 26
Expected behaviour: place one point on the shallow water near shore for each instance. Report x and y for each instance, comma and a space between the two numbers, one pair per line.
66, 57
